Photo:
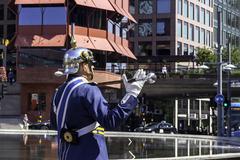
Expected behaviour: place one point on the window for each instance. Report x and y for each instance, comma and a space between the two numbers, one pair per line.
191, 50
185, 49
202, 18
40, 57
179, 48
215, 12
208, 18
202, 36
163, 48
1, 12
37, 101
10, 14
180, 7
191, 32
145, 28
145, 7
1, 32
215, 34
11, 31
228, 18
208, 38
197, 17
132, 6
208, 2
163, 27
110, 26
117, 30
179, 28
185, 8
197, 34
163, 6
42, 16
145, 48
124, 33
191, 15
185, 30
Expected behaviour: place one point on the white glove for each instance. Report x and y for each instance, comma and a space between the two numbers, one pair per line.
135, 87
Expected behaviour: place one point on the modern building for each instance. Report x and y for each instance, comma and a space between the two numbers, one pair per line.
44, 31
168, 33
230, 10
7, 33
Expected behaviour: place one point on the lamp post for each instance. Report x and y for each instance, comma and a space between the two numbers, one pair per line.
220, 117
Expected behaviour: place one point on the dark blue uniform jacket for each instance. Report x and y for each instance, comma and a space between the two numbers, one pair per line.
87, 105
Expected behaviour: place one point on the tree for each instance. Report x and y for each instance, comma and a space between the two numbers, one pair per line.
204, 55
235, 56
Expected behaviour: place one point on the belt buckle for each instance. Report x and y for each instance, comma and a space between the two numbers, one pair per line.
69, 136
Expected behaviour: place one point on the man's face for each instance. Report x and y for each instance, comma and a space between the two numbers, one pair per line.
87, 70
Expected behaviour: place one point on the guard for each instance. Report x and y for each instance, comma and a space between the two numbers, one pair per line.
80, 113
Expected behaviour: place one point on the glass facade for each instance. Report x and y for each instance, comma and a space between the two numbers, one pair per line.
40, 57
145, 7
179, 48
185, 30
145, 28
179, 28
191, 32
191, 14
145, 48
11, 29
185, 49
163, 6
185, 8
163, 48
180, 7
1, 32
42, 15
1, 12
163, 27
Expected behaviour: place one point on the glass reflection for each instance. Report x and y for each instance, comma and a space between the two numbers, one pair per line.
48, 57
145, 7
42, 15
145, 28
29, 147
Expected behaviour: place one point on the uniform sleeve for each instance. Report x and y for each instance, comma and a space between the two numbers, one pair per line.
106, 117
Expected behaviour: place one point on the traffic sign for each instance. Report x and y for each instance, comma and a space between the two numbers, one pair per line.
219, 98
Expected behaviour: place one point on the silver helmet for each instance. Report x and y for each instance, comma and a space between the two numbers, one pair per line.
72, 58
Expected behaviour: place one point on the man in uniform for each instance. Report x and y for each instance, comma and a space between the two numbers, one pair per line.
79, 109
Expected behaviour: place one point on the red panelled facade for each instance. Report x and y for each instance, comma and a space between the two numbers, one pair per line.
43, 35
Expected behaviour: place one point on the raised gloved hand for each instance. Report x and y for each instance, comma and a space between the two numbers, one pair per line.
134, 88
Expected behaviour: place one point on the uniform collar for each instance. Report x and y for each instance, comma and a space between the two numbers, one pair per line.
71, 77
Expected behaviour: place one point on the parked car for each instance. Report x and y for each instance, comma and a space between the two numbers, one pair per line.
40, 125
154, 127
235, 133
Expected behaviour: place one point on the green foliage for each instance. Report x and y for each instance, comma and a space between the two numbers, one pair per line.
205, 55
235, 56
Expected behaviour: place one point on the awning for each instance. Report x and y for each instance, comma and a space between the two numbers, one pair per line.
84, 42
122, 11
101, 44
129, 52
40, 40
125, 51
39, 1
101, 4
93, 43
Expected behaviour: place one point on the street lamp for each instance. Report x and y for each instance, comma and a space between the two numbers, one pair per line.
228, 68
